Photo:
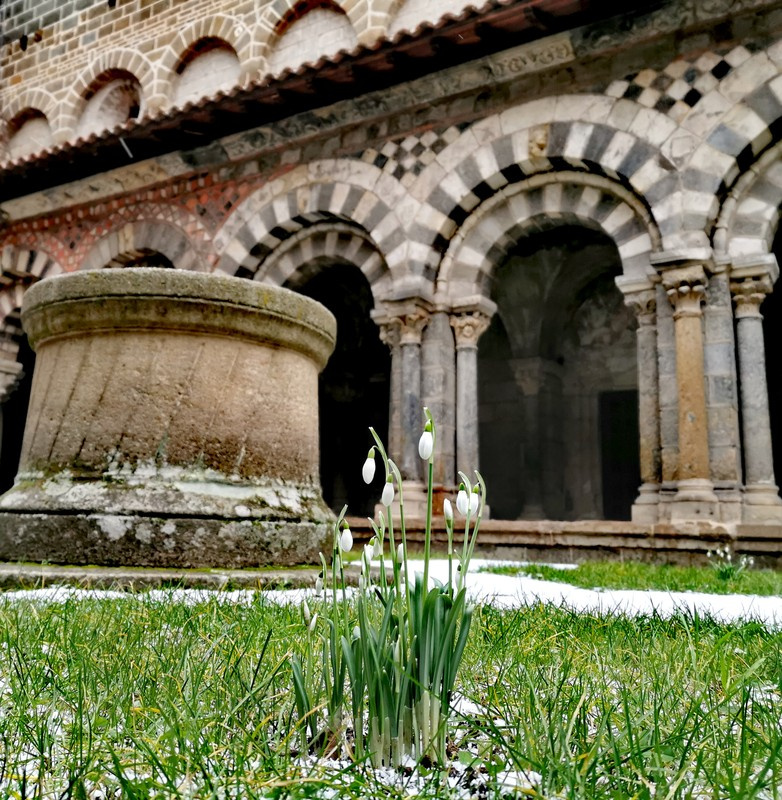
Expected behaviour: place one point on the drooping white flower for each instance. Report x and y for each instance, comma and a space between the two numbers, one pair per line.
305, 611
377, 547
388, 492
447, 510
313, 623
356, 632
400, 553
368, 470
475, 500
462, 501
318, 586
426, 443
346, 540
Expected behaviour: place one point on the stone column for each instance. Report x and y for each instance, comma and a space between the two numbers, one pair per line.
761, 499
695, 498
669, 401
390, 335
438, 388
644, 304
468, 328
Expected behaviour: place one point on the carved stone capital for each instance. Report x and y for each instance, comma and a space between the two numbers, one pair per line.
390, 331
644, 306
469, 327
686, 289
10, 375
412, 326
748, 294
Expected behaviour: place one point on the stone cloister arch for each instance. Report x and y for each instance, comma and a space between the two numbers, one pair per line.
483, 265
337, 264
19, 268
144, 242
748, 243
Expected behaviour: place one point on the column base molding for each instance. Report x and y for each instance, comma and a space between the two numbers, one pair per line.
762, 504
646, 508
695, 500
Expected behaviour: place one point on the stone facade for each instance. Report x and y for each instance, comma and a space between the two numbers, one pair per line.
560, 241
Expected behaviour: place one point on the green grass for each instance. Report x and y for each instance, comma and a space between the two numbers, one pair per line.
632, 575
166, 700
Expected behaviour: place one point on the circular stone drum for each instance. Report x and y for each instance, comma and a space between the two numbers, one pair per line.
173, 422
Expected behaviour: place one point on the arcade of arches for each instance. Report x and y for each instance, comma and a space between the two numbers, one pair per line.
563, 242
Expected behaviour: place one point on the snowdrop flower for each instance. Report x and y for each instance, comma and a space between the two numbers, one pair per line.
400, 553
306, 613
318, 586
475, 500
426, 443
368, 470
388, 492
377, 547
369, 551
312, 624
462, 501
447, 510
356, 632
346, 539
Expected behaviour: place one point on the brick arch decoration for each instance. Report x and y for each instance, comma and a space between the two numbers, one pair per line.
229, 29
301, 256
279, 13
366, 198
130, 61
507, 150
488, 236
19, 268
145, 235
38, 99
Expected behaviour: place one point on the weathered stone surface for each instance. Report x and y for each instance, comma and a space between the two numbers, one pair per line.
173, 420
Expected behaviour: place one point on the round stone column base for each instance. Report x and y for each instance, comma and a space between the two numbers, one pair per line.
160, 541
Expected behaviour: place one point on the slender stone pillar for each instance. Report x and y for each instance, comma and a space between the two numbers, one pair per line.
761, 498
644, 304
438, 382
468, 328
669, 401
695, 498
390, 335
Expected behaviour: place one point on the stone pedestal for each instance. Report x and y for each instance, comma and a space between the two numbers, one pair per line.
173, 422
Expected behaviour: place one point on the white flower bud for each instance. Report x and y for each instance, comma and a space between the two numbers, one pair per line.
369, 551
377, 547
356, 632
475, 501
447, 510
462, 501
388, 493
312, 624
400, 553
306, 613
346, 540
368, 470
426, 445
318, 586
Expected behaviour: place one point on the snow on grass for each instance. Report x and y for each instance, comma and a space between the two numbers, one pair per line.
500, 591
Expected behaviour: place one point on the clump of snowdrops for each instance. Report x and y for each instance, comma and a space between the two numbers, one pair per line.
385, 664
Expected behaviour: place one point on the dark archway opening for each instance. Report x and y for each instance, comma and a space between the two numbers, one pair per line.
558, 381
14, 416
353, 387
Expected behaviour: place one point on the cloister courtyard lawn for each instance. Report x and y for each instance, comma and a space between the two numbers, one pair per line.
179, 694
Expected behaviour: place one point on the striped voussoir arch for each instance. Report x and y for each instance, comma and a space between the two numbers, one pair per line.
144, 236
539, 203
20, 267
590, 148
732, 149
305, 253
265, 220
